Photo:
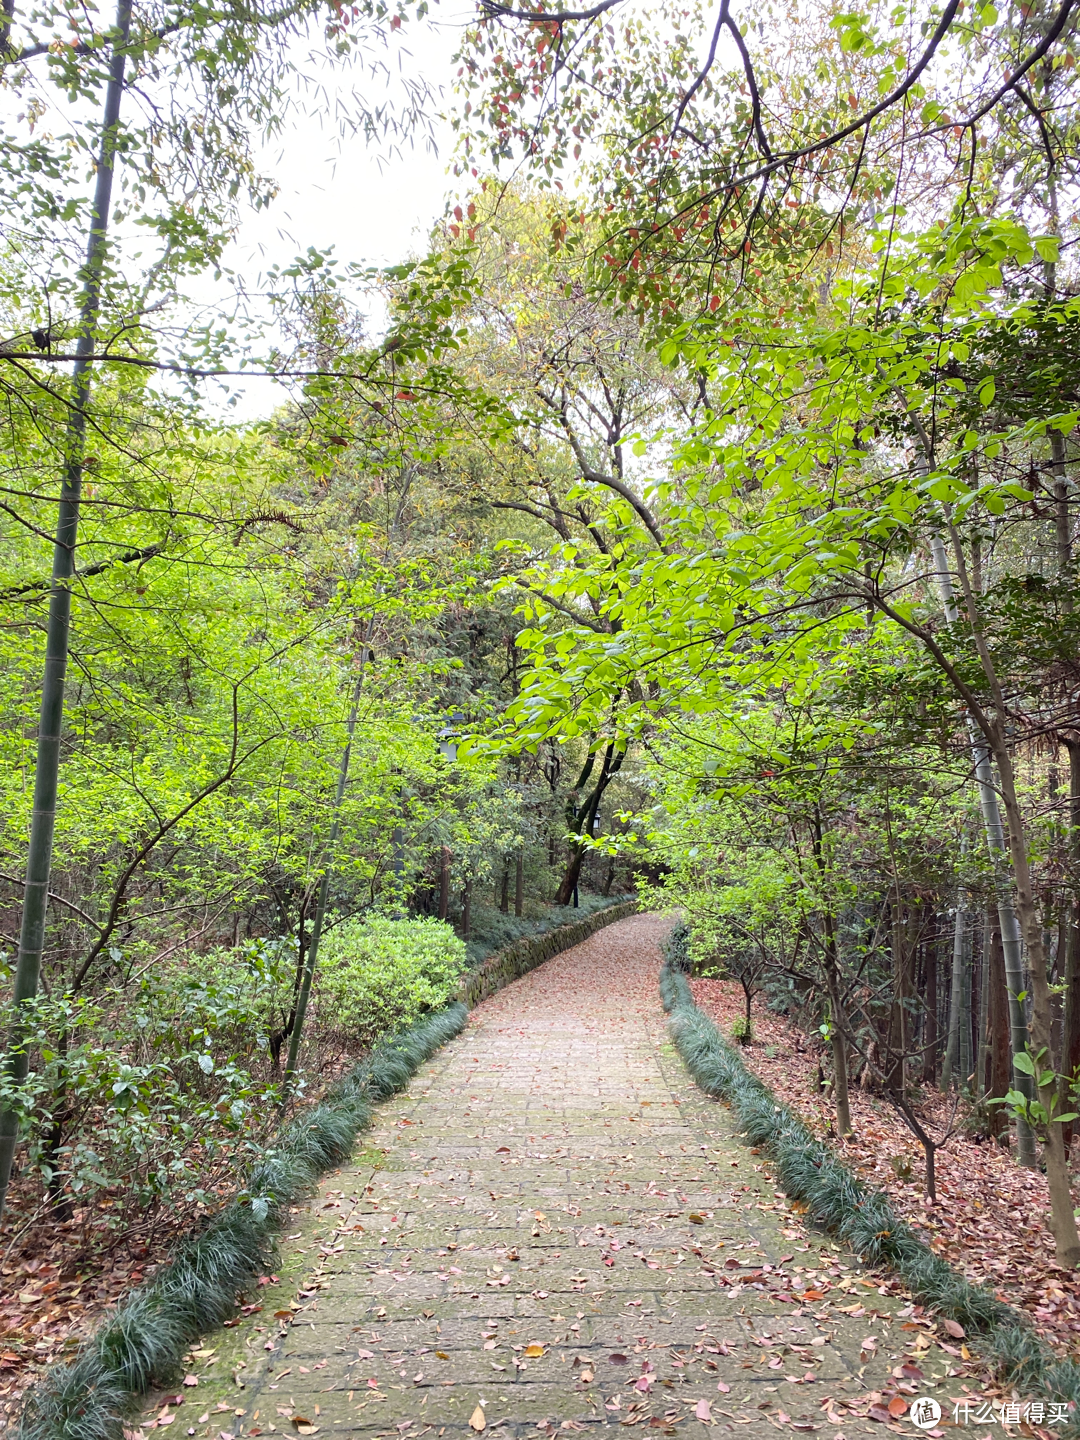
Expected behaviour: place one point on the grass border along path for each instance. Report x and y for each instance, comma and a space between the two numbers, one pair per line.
810, 1172
142, 1343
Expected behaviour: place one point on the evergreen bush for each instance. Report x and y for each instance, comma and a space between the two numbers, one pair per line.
378, 974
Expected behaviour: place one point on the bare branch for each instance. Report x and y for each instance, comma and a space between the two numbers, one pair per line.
496, 11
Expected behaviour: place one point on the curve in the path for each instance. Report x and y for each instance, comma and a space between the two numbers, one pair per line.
560, 1233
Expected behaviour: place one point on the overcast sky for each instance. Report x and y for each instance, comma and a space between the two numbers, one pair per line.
374, 207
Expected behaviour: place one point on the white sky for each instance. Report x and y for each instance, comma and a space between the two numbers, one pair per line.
374, 207
373, 204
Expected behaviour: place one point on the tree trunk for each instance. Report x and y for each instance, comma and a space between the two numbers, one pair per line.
965, 1053
1063, 1218
837, 1036
519, 885
308, 970
47, 767
444, 883
958, 1016
582, 819
1010, 923
997, 1051
466, 910
831, 967
1062, 521
1070, 1028
896, 1036
981, 1021
930, 1036
569, 882
504, 894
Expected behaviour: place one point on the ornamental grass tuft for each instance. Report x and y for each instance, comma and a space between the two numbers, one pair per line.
143, 1342
840, 1203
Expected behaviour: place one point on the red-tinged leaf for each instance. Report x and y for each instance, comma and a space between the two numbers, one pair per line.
703, 1410
897, 1406
951, 1327
724, 1389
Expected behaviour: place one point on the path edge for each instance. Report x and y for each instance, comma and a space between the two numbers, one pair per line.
506, 966
811, 1173
142, 1342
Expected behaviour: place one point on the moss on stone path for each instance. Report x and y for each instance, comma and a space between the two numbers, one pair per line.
552, 1229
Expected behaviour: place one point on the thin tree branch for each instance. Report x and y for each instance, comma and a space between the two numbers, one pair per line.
496, 11
148, 552
67, 904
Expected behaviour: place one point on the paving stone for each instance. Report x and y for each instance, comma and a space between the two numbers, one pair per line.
540, 1174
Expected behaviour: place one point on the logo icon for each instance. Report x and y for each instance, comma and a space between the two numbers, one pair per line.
925, 1412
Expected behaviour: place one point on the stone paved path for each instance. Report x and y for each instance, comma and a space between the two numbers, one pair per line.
518, 1238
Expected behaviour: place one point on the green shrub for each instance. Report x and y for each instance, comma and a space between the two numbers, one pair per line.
379, 975
742, 1030
153, 1089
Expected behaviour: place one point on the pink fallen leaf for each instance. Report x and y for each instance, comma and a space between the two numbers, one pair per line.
703, 1410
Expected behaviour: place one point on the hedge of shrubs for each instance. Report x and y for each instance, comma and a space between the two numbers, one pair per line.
378, 974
